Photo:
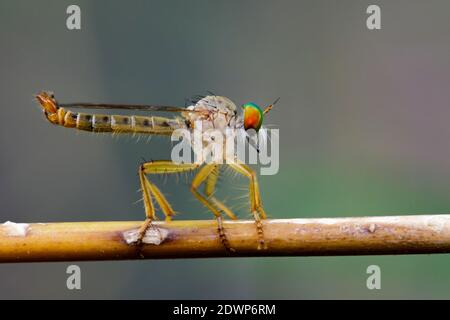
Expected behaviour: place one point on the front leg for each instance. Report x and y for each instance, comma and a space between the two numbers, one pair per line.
255, 199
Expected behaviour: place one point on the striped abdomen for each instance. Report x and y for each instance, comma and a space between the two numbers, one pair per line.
118, 123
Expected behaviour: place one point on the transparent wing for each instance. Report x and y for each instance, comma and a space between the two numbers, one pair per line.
85, 105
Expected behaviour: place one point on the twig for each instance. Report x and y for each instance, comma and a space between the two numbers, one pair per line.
189, 239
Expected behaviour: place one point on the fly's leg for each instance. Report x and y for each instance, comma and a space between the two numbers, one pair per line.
255, 199
148, 206
210, 171
150, 190
210, 187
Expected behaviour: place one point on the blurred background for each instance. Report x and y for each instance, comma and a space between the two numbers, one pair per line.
363, 118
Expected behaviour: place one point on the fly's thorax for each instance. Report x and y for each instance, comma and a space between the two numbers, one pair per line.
212, 112
214, 116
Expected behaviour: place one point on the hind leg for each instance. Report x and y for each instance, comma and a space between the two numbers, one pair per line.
150, 190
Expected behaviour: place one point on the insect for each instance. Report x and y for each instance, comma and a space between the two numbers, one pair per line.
210, 111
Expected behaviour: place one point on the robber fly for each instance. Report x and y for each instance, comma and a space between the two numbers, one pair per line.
213, 111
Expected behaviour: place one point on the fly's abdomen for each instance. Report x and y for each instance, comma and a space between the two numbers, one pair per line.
121, 123
141, 124
88, 122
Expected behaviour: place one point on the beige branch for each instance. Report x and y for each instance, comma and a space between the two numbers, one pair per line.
193, 239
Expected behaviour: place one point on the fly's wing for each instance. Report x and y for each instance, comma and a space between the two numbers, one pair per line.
84, 105
47, 99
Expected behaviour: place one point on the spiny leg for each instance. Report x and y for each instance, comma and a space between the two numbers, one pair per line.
148, 206
202, 176
149, 189
210, 187
255, 199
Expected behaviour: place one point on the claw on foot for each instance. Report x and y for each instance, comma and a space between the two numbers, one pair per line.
222, 236
143, 230
260, 231
146, 234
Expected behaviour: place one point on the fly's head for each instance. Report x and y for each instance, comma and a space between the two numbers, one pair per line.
252, 120
254, 115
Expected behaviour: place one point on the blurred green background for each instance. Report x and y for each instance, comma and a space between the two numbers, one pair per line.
363, 117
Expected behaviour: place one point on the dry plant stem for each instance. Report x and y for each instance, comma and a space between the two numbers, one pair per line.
192, 239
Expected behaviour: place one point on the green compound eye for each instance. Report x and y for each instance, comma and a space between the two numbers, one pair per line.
253, 116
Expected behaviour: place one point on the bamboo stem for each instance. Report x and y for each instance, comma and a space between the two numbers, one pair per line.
192, 239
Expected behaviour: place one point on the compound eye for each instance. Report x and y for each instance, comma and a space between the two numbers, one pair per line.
253, 116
